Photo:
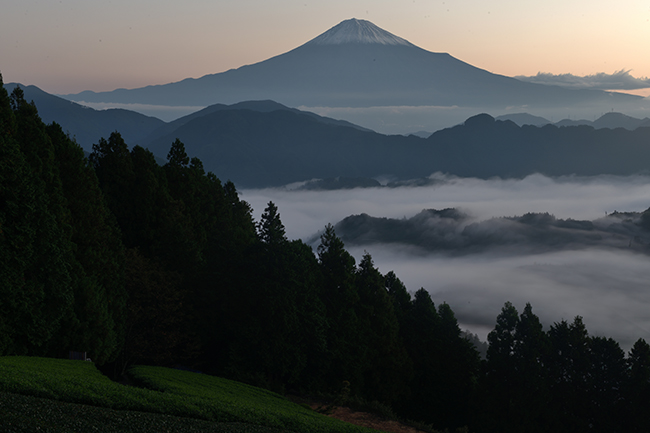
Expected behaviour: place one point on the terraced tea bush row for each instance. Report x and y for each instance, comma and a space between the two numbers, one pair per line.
22, 413
166, 391
238, 400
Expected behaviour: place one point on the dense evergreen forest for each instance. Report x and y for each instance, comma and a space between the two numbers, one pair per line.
135, 262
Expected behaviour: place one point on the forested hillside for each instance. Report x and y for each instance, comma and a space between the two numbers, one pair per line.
135, 262
263, 149
454, 231
86, 124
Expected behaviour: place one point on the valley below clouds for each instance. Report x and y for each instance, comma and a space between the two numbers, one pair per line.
579, 251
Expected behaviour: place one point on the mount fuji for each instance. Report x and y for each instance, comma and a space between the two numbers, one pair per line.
357, 64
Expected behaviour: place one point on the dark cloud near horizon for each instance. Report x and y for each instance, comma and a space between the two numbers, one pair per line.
619, 80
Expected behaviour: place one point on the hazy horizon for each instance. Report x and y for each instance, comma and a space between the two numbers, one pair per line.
405, 119
130, 45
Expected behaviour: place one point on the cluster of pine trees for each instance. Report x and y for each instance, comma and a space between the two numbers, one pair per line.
137, 262
560, 380
61, 256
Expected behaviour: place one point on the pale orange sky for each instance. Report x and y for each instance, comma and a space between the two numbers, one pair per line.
68, 46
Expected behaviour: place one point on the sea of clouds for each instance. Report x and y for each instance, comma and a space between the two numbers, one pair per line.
608, 287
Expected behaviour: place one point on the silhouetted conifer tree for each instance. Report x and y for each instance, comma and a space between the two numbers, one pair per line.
340, 298
97, 326
637, 388
385, 362
38, 228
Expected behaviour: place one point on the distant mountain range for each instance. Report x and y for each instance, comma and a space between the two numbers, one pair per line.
88, 125
263, 143
357, 64
273, 148
608, 120
85, 124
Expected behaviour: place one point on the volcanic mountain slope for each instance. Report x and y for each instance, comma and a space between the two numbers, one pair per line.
357, 64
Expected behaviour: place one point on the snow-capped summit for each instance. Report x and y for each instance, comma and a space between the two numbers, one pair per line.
357, 64
359, 32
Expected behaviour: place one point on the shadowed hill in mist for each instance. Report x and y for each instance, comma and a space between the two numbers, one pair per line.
483, 147
260, 149
257, 149
259, 106
453, 232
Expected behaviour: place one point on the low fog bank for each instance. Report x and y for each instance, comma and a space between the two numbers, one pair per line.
606, 284
405, 120
306, 212
609, 289
166, 113
411, 119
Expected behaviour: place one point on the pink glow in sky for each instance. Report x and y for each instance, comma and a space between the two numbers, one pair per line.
68, 46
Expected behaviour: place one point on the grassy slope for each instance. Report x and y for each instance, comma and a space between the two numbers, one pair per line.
48, 386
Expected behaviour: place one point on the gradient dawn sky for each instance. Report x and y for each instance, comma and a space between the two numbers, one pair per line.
67, 46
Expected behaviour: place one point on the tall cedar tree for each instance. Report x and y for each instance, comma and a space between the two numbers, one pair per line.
339, 294
637, 388
425, 344
67, 268
384, 376
223, 231
569, 364
531, 393
18, 218
501, 381
97, 326
459, 364
283, 332
608, 371
265, 349
517, 372
43, 296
